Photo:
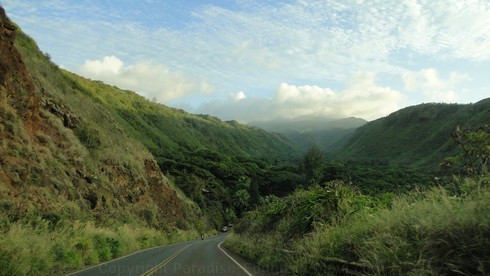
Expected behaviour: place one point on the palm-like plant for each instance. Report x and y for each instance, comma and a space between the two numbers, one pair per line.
241, 199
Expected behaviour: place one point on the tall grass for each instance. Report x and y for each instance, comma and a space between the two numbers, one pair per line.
421, 233
36, 248
266, 250
432, 233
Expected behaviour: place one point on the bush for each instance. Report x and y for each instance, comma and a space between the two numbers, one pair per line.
424, 233
420, 233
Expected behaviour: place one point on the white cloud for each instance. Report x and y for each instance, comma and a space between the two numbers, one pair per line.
432, 86
440, 96
148, 79
456, 77
424, 79
235, 97
109, 64
257, 45
362, 98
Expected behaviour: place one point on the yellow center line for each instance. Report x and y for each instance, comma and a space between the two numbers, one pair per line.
164, 262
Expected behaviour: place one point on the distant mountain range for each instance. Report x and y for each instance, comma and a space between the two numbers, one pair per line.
313, 130
417, 136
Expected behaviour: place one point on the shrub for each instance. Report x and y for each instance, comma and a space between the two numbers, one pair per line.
424, 233
88, 136
339, 231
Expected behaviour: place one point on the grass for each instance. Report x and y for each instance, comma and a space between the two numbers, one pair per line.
38, 248
269, 255
420, 233
75, 188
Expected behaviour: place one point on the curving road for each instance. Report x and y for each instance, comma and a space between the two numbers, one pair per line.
200, 257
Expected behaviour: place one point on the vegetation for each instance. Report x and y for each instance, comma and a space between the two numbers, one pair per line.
340, 231
475, 151
79, 152
336, 229
36, 247
202, 155
313, 165
89, 172
74, 189
414, 137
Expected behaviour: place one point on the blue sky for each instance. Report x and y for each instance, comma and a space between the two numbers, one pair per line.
258, 60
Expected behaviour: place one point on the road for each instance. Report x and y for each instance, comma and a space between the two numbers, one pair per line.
199, 257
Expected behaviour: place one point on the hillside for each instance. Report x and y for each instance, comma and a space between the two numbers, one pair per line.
197, 151
74, 190
168, 131
59, 145
81, 164
417, 136
309, 131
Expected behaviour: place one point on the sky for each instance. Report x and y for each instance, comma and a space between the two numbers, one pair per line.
255, 60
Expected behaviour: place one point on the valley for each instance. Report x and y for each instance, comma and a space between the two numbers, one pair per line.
90, 172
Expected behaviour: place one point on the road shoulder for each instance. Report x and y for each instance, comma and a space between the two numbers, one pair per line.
252, 268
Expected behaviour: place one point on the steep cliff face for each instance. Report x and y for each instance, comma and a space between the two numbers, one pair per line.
63, 155
19, 109
15, 83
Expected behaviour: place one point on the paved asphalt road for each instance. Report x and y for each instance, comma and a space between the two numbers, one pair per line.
199, 257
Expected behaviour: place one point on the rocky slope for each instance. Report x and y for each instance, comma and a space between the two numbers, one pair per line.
53, 161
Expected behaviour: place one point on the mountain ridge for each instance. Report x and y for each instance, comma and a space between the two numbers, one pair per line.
415, 136
104, 148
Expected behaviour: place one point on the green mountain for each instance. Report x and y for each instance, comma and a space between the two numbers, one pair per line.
417, 136
102, 172
309, 131
90, 172
114, 127
65, 156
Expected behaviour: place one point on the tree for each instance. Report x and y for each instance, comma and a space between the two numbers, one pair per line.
230, 216
241, 199
254, 193
475, 145
313, 163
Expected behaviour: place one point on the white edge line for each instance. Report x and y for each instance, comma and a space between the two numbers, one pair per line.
122, 257
238, 264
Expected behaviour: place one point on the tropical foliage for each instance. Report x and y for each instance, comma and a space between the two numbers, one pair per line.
336, 229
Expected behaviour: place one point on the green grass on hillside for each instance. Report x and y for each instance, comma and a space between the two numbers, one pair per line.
75, 188
420, 233
416, 137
